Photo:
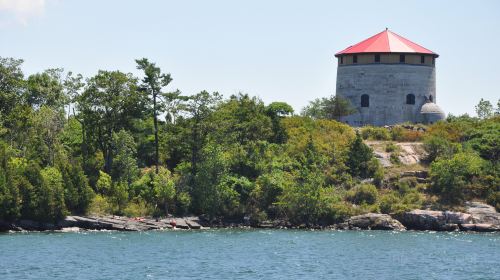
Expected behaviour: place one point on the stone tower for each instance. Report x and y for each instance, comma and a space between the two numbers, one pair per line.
388, 80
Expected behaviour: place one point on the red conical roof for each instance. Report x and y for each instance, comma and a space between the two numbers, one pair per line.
386, 42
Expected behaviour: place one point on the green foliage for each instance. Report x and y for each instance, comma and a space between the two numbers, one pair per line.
124, 162
100, 206
104, 183
375, 133
363, 194
452, 178
116, 144
51, 206
331, 108
164, 189
119, 197
359, 158
436, 147
484, 109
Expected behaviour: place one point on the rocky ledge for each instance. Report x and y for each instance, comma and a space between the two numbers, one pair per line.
105, 223
374, 221
478, 217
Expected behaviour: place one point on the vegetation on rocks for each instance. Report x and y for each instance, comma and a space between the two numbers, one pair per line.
119, 144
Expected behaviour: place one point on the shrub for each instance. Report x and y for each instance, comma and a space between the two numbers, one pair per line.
364, 193
375, 133
436, 146
451, 178
137, 208
100, 206
391, 147
183, 203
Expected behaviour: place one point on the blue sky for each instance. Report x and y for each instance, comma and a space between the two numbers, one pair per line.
277, 50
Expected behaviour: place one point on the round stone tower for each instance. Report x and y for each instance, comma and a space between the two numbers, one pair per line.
388, 80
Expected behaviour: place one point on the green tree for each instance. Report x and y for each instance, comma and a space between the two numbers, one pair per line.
152, 83
451, 178
51, 206
109, 103
124, 162
46, 89
332, 108
484, 109
104, 183
164, 189
359, 158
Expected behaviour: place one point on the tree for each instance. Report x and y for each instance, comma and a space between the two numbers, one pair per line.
164, 189
124, 163
484, 109
152, 83
72, 87
109, 103
11, 84
452, 177
51, 206
200, 107
332, 108
359, 158
276, 111
46, 89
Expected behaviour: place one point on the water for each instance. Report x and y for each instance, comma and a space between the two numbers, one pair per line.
250, 254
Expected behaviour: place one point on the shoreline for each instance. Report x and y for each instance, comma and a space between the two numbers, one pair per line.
479, 217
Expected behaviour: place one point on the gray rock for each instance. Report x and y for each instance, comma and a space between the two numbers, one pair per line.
374, 221
483, 213
480, 227
68, 222
193, 222
423, 219
457, 217
181, 223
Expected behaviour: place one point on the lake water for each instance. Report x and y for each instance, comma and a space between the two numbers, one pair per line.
250, 254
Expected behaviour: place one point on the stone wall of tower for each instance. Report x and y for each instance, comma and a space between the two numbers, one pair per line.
387, 86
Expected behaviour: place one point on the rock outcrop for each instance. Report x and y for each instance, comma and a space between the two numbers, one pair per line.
374, 221
478, 217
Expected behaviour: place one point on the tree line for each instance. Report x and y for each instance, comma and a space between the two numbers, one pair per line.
120, 144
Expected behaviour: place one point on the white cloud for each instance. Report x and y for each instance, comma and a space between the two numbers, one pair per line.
20, 11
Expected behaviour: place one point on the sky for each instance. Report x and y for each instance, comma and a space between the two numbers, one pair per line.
276, 50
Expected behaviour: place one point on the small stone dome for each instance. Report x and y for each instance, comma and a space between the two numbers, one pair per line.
431, 113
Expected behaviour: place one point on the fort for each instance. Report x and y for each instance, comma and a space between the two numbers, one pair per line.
388, 79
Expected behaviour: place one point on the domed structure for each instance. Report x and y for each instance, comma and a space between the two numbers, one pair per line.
388, 79
431, 113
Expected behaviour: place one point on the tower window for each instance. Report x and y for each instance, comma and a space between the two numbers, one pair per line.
377, 58
402, 58
365, 100
354, 59
422, 59
433, 60
341, 60
410, 99
431, 99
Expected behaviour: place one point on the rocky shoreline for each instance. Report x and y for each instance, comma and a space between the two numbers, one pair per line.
478, 217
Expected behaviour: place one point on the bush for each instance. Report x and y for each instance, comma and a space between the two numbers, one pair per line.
364, 193
391, 147
436, 146
137, 208
452, 178
100, 206
375, 133
183, 203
